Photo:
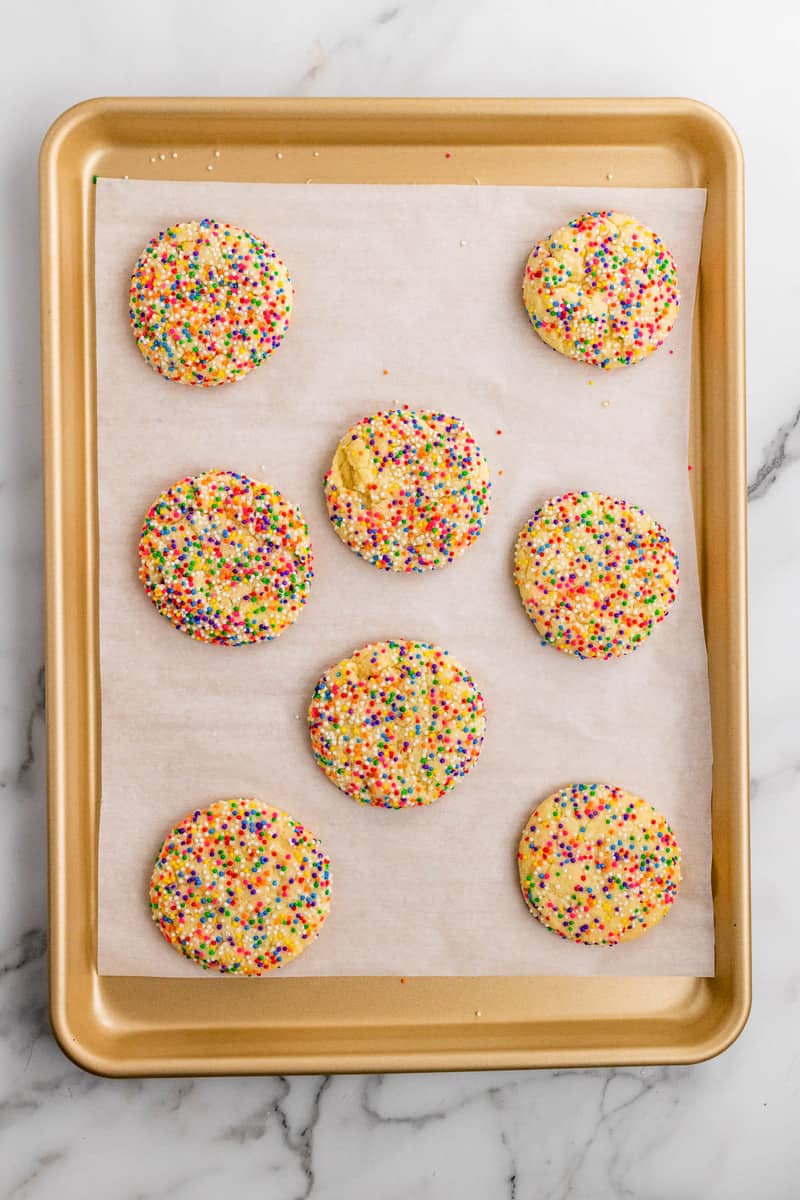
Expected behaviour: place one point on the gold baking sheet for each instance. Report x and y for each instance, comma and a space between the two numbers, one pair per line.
148, 1026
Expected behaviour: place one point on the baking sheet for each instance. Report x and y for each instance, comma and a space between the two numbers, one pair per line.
422, 283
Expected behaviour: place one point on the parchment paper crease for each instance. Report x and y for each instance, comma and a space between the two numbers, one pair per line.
422, 282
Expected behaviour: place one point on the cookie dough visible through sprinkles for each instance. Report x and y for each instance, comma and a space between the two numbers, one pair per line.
208, 302
598, 865
596, 575
240, 887
602, 290
225, 558
408, 491
397, 724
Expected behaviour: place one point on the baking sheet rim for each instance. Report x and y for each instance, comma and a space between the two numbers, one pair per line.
737, 1005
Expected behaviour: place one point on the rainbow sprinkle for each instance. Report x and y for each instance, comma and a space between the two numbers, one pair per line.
408, 491
596, 575
208, 302
602, 290
598, 865
226, 559
397, 724
240, 888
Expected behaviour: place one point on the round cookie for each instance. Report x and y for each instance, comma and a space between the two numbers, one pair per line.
596, 575
240, 887
602, 290
397, 724
208, 302
598, 865
225, 558
408, 491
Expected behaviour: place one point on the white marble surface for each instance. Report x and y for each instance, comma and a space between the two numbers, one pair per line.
723, 1129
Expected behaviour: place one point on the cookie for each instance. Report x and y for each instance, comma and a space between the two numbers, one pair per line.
408, 491
208, 302
240, 887
397, 724
602, 290
596, 575
598, 865
225, 558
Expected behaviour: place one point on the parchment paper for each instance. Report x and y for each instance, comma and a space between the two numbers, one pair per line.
422, 282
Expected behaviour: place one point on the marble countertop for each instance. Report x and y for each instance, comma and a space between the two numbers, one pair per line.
726, 1128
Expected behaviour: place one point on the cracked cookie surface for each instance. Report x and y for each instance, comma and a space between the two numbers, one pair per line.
602, 289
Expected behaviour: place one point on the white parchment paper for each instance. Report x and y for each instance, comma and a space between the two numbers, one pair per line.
422, 282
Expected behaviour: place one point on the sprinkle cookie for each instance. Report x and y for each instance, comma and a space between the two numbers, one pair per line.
598, 865
226, 559
596, 575
240, 887
602, 290
397, 724
208, 302
408, 491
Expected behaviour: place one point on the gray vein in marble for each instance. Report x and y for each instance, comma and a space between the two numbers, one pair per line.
30, 946
609, 1117
31, 1096
306, 1141
322, 57
786, 771
24, 1015
778, 455
27, 1021
43, 1162
15, 1109
371, 1087
254, 1126
607, 1120
300, 1143
511, 1179
194, 1181
35, 714
181, 1093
